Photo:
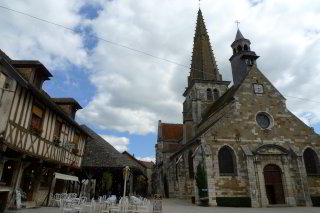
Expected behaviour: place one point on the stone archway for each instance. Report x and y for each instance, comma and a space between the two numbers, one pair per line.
273, 184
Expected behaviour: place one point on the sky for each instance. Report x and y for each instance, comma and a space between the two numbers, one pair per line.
125, 93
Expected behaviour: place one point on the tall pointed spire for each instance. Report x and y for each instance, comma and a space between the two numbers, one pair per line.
203, 64
239, 35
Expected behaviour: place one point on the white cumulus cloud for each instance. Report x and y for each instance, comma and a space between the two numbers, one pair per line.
119, 143
150, 158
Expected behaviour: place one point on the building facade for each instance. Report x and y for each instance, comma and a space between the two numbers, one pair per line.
40, 142
254, 151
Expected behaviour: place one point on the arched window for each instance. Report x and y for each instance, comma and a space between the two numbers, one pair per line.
216, 94
311, 162
190, 162
227, 162
239, 48
245, 47
209, 95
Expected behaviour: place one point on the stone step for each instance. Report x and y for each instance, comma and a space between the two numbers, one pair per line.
29, 204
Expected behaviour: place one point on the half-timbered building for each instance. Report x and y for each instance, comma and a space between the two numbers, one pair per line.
40, 142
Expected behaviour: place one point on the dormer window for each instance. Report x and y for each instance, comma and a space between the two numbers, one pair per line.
245, 47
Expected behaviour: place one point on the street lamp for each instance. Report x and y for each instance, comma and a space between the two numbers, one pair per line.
125, 174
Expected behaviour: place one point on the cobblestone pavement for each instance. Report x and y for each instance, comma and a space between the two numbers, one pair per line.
181, 206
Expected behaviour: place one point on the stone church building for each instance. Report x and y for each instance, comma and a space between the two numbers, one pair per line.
254, 150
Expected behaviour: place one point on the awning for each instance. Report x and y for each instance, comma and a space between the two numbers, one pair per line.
65, 177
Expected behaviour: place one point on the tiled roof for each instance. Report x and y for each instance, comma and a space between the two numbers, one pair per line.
99, 153
170, 132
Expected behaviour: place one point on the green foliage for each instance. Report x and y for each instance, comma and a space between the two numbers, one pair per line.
106, 181
201, 180
141, 185
315, 201
234, 201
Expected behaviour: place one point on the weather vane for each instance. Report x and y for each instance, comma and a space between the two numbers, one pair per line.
237, 22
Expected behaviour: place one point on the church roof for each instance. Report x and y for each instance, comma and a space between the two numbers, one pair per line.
239, 36
203, 64
99, 153
226, 98
170, 132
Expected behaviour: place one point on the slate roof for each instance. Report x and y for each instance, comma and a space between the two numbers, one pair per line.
99, 153
170, 132
226, 98
148, 164
239, 35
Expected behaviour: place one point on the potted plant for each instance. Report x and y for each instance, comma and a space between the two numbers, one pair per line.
202, 184
56, 141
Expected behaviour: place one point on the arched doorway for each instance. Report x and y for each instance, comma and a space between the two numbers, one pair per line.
27, 182
273, 184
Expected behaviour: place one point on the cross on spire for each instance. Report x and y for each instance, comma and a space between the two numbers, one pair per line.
237, 22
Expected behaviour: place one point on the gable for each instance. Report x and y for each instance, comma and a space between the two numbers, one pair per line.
237, 120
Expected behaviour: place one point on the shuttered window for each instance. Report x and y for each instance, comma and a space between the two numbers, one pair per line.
57, 129
37, 117
76, 138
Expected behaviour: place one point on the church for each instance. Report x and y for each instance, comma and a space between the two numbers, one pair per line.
253, 151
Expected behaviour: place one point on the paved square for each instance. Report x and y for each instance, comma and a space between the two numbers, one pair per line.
182, 206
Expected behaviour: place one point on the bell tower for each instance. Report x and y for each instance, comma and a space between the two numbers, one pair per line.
242, 59
205, 84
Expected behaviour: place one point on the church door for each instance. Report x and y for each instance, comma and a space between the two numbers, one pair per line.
273, 183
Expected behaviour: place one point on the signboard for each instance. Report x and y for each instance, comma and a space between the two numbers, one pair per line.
157, 203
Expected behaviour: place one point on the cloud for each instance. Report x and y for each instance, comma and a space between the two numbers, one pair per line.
23, 37
119, 143
150, 158
134, 91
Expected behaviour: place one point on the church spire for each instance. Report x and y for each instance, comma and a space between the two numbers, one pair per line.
239, 35
243, 58
203, 64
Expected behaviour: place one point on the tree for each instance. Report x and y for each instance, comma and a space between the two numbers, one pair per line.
106, 181
202, 184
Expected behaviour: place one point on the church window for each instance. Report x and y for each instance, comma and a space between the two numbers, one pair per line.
245, 47
234, 50
239, 48
264, 120
216, 94
209, 94
190, 162
311, 162
227, 162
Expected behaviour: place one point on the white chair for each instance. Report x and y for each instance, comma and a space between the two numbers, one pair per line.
57, 199
66, 206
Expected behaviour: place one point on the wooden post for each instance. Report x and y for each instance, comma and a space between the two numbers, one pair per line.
53, 183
